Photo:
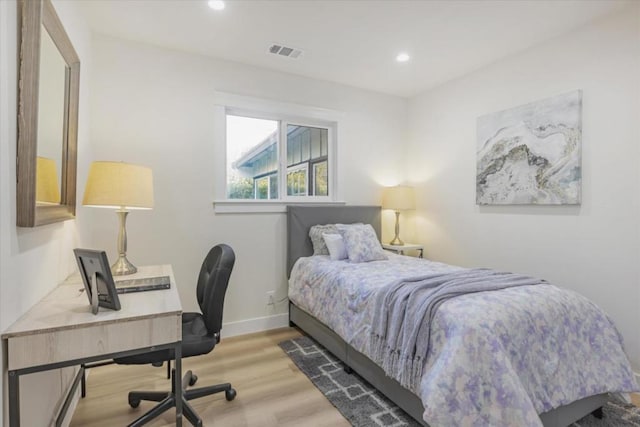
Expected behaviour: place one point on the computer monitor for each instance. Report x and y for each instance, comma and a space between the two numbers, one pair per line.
97, 279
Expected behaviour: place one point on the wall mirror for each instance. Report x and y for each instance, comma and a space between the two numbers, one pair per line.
47, 118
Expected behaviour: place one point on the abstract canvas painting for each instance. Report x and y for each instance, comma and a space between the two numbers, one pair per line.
531, 154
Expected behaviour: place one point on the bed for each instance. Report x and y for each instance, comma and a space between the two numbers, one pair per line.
352, 350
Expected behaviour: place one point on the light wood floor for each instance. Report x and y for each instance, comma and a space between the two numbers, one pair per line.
271, 390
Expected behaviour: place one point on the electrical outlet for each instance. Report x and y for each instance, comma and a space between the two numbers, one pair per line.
271, 297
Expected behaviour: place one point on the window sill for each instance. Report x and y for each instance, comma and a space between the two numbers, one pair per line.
263, 206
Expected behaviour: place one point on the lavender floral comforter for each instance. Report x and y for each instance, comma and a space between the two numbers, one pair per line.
496, 358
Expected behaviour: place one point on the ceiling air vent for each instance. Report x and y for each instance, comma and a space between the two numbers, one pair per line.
289, 52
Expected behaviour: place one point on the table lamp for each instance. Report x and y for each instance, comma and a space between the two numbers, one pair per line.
47, 188
123, 186
399, 198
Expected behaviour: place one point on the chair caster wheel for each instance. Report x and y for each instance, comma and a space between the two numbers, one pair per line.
134, 403
193, 380
230, 394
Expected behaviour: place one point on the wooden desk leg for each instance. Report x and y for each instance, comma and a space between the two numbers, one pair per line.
178, 384
14, 399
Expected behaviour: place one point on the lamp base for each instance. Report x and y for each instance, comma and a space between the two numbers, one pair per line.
396, 242
122, 267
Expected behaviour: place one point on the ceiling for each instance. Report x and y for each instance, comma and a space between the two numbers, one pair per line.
353, 42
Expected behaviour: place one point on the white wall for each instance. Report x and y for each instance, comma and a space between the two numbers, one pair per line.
33, 261
593, 248
155, 106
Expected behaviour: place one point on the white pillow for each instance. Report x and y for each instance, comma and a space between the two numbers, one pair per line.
335, 245
361, 242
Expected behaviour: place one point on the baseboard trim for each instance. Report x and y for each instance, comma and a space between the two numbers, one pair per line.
257, 324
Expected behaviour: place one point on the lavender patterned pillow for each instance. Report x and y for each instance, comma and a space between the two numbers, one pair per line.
315, 234
361, 242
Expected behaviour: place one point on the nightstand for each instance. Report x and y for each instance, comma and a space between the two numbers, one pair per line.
406, 247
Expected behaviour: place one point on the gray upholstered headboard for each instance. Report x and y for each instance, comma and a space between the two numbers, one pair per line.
301, 218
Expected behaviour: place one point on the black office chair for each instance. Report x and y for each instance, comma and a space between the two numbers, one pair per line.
200, 334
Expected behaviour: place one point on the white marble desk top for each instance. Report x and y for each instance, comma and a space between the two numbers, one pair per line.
67, 307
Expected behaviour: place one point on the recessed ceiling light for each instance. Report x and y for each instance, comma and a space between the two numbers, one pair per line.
403, 57
216, 4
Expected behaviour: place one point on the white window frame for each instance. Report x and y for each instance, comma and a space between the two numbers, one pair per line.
286, 114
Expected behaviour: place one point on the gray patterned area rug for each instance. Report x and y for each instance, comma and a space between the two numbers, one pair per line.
363, 406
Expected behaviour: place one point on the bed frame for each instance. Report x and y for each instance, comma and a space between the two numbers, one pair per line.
299, 220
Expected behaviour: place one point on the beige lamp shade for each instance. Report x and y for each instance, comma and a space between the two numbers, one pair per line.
398, 198
47, 188
119, 185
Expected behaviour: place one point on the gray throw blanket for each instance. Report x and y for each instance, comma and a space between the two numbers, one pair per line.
404, 311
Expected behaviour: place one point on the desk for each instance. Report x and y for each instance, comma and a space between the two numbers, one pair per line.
60, 331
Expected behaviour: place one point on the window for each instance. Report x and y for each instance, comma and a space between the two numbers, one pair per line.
252, 157
297, 180
277, 158
266, 187
261, 190
320, 179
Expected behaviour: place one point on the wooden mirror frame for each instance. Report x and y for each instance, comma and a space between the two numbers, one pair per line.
35, 15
